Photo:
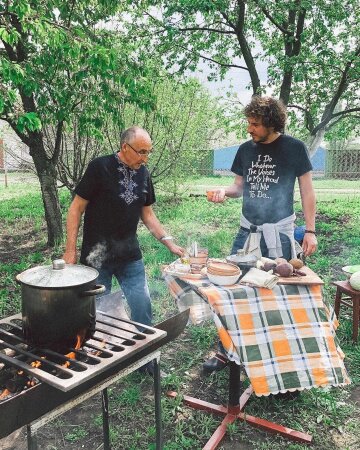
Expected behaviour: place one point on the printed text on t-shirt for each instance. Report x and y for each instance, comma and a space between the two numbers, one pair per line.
260, 175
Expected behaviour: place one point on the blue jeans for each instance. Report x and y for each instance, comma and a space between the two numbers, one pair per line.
132, 280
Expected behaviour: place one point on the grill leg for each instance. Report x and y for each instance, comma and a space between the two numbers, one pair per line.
31, 439
105, 415
157, 391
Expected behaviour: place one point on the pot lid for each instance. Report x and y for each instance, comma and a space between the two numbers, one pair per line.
58, 275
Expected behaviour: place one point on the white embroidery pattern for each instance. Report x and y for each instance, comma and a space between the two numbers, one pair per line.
127, 184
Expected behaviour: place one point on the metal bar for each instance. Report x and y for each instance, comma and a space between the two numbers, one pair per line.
219, 433
31, 439
130, 322
118, 336
112, 325
102, 340
196, 403
105, 416
157, 392
234, 385
272, 427
245, 396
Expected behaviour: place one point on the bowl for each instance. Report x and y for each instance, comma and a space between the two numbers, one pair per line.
223, 280
245, 262
349, 270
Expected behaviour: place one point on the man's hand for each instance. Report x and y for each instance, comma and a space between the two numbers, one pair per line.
174, 248
309, 244
216, 196
70, 257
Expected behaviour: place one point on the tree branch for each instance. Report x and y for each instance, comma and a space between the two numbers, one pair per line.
309, 121
345, 112
222, 64
22, 136
343, 83
214, 30
57, 146
273, 21
213, 60
227, 18
244, 46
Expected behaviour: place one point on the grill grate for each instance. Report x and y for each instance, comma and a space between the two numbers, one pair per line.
114, 340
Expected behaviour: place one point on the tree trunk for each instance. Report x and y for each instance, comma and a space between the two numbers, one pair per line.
314, 141
45, 169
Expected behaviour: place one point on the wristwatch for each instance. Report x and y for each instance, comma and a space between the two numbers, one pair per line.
166, 238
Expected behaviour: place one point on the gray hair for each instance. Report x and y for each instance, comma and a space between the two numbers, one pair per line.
128, 134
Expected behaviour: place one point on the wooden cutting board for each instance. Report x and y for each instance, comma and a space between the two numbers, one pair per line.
310, 278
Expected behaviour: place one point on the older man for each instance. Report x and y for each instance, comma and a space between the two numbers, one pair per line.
115, 192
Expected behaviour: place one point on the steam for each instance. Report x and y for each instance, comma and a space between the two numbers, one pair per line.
97, 255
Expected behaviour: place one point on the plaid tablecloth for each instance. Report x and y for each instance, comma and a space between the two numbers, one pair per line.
284, 337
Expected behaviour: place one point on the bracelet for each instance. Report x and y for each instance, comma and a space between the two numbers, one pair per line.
166, 238
310, 231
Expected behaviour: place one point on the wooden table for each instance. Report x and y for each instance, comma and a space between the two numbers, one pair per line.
344, 287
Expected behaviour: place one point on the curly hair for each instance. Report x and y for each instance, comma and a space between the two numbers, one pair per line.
272, 112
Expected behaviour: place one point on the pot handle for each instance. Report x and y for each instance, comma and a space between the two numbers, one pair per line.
98, 289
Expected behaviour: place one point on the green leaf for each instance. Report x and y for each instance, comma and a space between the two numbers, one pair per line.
29, 121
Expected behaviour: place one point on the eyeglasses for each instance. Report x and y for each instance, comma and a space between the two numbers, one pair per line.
142, 153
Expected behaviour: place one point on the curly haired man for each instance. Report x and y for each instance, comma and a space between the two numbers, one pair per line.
266, 168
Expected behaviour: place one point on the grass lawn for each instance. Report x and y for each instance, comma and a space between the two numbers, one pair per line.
330, 415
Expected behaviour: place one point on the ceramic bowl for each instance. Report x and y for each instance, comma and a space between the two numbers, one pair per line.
223, 280
349, 270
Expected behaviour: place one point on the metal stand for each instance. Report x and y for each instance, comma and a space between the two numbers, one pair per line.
102, 387
105, 417
234, 410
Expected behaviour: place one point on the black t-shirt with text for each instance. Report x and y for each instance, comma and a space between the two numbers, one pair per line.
116, 196
269, 172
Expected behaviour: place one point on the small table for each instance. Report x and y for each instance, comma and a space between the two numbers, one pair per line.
344, 287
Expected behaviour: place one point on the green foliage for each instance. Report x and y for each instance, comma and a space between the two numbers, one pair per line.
182, 127
311, 50
68, 64
76, 434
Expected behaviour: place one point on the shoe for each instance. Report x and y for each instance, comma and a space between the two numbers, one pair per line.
215, 364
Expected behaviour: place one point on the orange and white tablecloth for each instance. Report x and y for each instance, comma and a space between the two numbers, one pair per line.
284, 337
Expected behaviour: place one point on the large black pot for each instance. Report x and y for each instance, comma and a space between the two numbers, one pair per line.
58, 304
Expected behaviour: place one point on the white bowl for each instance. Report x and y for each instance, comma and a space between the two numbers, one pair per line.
223, 280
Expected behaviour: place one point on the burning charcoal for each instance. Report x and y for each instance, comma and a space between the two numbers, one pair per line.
5, 374
16, 384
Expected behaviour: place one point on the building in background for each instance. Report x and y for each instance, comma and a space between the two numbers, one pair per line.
14, 154
224, 157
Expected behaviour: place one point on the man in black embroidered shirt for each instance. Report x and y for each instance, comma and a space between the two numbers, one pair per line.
115, 192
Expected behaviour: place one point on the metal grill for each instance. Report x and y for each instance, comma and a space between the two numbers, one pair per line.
115, 339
